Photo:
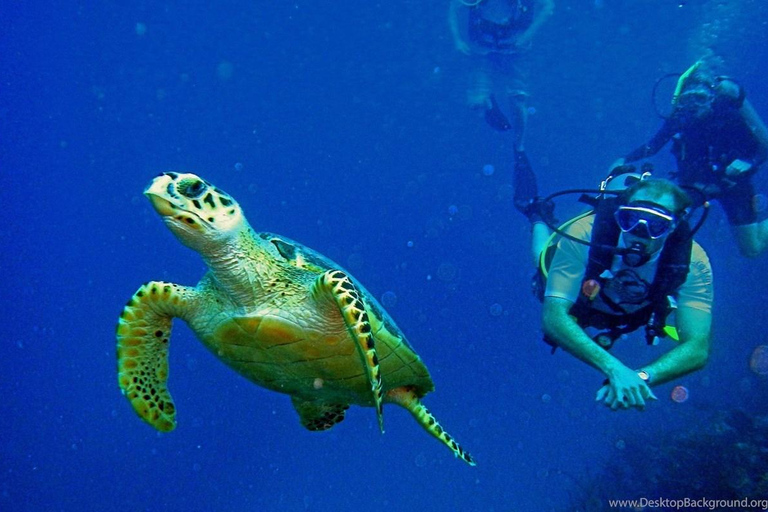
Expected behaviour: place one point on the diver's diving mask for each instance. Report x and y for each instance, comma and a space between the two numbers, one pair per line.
657, 221
696, 98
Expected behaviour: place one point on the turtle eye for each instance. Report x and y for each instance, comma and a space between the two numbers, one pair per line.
191, 188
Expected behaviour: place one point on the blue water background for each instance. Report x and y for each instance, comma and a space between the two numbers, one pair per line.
341, 125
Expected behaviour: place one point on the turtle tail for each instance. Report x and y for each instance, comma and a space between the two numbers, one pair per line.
407, 398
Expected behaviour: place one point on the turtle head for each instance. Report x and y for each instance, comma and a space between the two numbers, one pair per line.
198, 213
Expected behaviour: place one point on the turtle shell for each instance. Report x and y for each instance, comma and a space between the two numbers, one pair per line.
299, 344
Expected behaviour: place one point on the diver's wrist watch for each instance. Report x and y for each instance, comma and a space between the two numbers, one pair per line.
643, 374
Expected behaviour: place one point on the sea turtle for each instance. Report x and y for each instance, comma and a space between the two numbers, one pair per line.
282, 315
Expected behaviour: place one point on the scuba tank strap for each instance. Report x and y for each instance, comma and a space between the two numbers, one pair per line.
605, 236
654, 329
672, 271
674, 262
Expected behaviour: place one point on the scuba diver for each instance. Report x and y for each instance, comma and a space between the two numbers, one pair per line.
497, 34
627, 263
719, 142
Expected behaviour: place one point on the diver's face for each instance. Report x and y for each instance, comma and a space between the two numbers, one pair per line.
696, 102
641, 236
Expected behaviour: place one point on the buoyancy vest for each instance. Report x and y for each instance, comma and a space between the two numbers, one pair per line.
671, 272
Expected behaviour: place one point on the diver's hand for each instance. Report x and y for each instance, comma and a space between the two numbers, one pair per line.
462, 47
737, 167
624, 390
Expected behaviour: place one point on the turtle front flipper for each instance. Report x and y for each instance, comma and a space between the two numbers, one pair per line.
407, 398
339, 287
318, 415
143, 333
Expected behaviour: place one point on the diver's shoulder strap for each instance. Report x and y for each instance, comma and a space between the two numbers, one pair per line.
605, 237
671, 273
674, 263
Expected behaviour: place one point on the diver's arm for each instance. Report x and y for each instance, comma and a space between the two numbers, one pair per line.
759, 131
543, 11
453, 21
624, 388
653, 146
694, 327
560, 328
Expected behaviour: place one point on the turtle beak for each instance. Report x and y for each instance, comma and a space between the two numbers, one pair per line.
158, 192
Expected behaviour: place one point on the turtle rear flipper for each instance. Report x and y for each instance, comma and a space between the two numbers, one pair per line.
143, 334
318, 415
407, 398
337, 286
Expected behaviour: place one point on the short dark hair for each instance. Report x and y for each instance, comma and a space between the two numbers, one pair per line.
658, 187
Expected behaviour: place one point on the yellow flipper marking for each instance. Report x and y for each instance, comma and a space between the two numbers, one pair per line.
347, 298
143, 334
406, 398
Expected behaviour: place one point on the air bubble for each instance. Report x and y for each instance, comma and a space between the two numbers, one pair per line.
388, 299
758, 362
225, 70
447, 272
679, 394
355, 261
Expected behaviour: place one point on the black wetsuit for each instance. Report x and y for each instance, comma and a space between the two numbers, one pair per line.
704, 149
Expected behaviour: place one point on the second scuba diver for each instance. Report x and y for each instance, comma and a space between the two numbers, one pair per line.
719, 143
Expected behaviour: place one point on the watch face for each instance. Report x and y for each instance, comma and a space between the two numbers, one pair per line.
643, 375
